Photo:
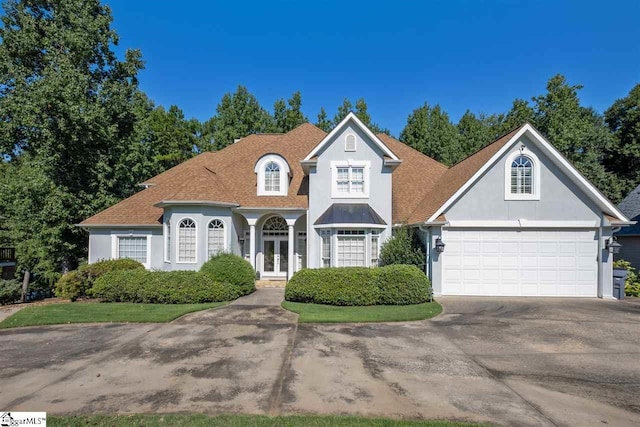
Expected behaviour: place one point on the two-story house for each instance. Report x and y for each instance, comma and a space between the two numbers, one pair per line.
515, 218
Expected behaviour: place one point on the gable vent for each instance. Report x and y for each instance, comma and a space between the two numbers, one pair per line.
350, 143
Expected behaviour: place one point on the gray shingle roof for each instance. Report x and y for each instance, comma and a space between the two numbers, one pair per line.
630, 207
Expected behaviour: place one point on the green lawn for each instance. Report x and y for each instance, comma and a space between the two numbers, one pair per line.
79, 312
318, 313
240, 421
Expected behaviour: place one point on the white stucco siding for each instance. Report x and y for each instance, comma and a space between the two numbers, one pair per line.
321, 182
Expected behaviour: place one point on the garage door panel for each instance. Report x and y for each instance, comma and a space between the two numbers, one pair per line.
513, 263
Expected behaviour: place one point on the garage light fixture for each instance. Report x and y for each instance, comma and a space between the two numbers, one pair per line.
439, 245
613, 246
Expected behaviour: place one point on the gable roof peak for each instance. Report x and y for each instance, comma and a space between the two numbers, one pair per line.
351, 117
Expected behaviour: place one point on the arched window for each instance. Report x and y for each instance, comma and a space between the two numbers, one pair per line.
273, 174
272, 177
350, 143
275, 226
187, 241
522, 175
215, 238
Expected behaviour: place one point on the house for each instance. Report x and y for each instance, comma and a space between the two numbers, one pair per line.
515, 218
629, 237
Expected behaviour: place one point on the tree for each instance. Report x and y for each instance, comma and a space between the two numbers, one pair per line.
66, 117
474, 134
288, 118
237, 115
404, 247
579, 133
342, 112
323, 121
623, 156
430, 131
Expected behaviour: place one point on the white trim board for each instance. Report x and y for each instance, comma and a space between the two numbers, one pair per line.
554, 155
362, 126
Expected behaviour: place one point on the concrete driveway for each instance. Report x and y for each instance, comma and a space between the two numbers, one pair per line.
504, 361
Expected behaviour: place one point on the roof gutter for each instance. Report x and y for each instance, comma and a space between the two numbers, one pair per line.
118, 225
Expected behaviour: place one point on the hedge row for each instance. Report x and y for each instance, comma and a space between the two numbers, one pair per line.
161, 287
389, 285
75, 284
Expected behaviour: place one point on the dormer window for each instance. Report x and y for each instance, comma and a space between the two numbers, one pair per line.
522, 176
272, 178
350, 142
273, 175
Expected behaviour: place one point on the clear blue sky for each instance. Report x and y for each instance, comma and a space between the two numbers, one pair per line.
476, 55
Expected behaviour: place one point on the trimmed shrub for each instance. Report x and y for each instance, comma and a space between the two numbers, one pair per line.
160, 287
71, 286
391, 285
404, 247
632, 283
10, 291
75, 284
231, 269
334, 286
402, 284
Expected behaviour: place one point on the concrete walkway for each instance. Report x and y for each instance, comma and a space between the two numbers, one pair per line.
532, 362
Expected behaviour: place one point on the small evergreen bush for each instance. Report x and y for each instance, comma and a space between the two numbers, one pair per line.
350, 286
10, 291
71, 286
231, 269
160, 287
404, 247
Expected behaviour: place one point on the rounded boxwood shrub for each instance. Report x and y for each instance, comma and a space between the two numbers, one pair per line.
75, 284
160, 287
232, 269
390, 285
402, 284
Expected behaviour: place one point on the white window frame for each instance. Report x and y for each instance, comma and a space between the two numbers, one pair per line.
329, 234
167, 241
360, 234
535, 179
346, 142
366, 165
177, 239
374, 235
114, 245
284, 175
224, 237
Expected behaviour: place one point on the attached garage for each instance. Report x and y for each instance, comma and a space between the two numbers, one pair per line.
503, 262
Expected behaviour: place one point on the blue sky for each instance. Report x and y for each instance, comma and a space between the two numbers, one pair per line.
477, 55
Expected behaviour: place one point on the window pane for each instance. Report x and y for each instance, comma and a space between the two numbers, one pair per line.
272, 177
215, 241
187, 241
326, 248
351, 251
133, 247
168, 248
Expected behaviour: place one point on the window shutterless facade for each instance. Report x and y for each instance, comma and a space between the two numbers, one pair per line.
326, 247
215, 237
133, 247
351, 248
187, 241
375, 247
167, 241
350, 179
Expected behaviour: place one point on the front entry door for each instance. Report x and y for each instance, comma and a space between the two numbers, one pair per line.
276, 252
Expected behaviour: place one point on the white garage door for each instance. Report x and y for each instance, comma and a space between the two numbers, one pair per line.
514, 263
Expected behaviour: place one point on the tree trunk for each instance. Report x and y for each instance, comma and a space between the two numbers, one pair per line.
25, 285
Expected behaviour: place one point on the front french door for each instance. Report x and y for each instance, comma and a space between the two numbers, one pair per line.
276, 252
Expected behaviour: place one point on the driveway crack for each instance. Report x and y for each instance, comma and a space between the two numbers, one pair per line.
276, 394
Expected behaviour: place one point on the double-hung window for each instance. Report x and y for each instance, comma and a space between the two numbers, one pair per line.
375, 247
350, 180
351, 248
326, 247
